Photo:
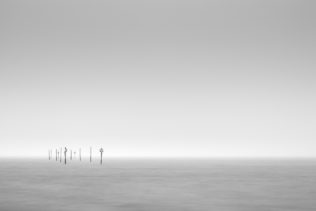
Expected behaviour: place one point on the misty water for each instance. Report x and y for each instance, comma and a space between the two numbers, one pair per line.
221, 185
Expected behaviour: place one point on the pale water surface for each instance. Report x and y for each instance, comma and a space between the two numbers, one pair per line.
220, 185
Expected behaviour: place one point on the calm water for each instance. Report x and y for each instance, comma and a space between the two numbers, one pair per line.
219, 185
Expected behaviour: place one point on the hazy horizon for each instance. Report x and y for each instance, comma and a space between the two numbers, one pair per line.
96, 157
158, 78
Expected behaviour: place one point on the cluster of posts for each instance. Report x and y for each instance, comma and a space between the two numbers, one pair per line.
62, 153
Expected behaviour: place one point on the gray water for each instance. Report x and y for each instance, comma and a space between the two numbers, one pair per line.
220, 185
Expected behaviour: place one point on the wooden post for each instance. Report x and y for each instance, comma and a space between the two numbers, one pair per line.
90, 154
60, 153
80, 154
101, 151
65, 155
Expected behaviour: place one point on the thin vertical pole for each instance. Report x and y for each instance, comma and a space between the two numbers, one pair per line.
101, 151
80, 154
56, 154
65, 155
61, 151
90, 154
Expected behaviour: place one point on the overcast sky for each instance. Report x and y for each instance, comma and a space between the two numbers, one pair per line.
158, 78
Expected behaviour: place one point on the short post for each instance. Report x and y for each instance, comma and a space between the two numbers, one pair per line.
70, 154
80, 154
101, 151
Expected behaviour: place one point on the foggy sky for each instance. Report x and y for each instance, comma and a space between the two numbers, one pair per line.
158, 78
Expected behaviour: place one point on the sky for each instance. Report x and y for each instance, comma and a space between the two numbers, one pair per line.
167, 78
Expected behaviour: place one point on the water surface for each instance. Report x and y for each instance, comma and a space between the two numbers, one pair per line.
201, 185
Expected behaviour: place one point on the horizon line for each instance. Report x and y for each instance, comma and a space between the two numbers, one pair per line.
168, 157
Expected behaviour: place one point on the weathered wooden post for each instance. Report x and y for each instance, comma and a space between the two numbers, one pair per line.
101, 151
60, 154
65, 155
90, 154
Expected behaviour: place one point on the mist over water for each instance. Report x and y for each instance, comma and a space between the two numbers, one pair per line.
153, 184
167, 78
159, 78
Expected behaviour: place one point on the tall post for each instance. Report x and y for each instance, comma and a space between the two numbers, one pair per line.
56, 154
70, 154
48, 154
101, 151
65, 155
90, 154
